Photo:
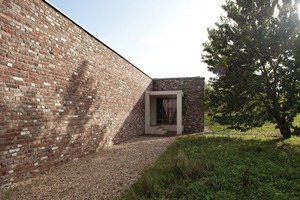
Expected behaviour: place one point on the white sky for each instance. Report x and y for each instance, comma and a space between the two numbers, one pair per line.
163, 38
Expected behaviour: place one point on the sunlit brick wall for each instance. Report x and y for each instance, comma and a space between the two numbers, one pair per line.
63, 93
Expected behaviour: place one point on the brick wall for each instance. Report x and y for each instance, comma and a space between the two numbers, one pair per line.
63, 93
192, 102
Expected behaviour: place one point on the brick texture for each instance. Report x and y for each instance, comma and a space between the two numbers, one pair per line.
63, 93
192, 102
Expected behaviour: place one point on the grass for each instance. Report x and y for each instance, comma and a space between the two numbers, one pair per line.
223, 167
266, 128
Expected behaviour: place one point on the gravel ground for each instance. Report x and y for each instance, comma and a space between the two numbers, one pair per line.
103, 175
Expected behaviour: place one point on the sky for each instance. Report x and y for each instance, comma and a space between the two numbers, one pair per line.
163, 38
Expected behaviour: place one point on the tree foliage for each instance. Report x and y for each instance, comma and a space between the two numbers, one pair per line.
255, 54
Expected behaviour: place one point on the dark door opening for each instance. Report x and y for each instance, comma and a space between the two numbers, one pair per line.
166, 111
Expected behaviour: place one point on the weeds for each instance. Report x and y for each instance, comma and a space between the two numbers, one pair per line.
223, 167
245, 181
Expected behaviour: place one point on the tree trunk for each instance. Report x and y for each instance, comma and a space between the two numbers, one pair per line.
285, 132
284, 128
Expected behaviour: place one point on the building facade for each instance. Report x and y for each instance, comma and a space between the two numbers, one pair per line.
65, 94
175, 105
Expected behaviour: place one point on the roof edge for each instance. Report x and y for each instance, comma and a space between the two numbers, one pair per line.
192, 77
85, 30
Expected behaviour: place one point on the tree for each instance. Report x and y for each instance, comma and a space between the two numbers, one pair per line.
255, 54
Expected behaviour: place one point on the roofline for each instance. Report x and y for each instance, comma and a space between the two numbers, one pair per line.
81, 27
193, 77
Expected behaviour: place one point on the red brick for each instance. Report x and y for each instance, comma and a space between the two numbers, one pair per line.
87, 97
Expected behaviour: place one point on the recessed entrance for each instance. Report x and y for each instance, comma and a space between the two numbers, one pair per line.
163, 112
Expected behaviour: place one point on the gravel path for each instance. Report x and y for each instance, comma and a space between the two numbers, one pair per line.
103, 175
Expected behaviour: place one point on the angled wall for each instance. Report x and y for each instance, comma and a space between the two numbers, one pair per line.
63, 93
192, 101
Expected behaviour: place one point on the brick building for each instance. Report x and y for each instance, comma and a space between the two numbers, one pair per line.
65, 94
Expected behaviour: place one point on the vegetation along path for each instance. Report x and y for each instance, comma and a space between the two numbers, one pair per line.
103, 175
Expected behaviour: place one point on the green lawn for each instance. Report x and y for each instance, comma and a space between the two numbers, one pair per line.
266, 128
223, 167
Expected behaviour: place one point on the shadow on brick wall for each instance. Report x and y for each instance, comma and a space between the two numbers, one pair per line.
23, 126
134, 124
41, 132
87, 129
80, 102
